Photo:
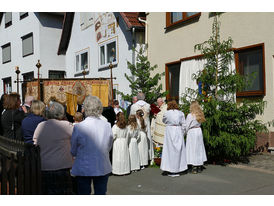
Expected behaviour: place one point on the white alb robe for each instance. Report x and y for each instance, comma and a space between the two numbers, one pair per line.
195, 149
143, 145
158, 127
133, 137
120, 151
174, 152
140, 104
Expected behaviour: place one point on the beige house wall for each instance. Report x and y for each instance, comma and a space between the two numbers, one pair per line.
245, 28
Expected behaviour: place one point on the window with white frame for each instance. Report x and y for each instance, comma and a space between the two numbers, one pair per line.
108, 53
82, 61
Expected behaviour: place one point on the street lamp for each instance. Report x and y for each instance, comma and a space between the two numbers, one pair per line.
38, 65
17, 71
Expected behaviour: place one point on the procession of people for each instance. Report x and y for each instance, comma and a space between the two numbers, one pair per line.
105, 141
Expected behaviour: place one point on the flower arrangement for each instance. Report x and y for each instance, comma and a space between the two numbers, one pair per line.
154, 109
158, 151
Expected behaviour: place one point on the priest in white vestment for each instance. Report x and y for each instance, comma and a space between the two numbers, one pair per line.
174, 151
141, 104
157, 125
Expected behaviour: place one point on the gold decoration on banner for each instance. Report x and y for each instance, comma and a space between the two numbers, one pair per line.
71, 103
101, 91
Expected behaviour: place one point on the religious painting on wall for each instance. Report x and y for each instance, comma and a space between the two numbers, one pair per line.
105, 26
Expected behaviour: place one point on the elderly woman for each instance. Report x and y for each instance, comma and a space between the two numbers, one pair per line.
91, 142
12, 117
174, 152
53, 136
29, 124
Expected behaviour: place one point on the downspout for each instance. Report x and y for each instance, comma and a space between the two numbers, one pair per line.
133, 50
146, 32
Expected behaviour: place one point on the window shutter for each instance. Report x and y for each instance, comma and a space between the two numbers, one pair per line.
8, 17
22, 13
6, 53
27, 43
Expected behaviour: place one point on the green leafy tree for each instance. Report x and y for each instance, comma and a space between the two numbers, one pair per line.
231, 125
141, 79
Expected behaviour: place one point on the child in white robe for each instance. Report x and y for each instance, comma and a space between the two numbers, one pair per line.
120, 151
195, 149
133, 136
143, 140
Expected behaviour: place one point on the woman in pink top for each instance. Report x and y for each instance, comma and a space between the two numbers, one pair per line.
53, 136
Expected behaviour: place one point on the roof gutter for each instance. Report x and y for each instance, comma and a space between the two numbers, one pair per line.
146, 31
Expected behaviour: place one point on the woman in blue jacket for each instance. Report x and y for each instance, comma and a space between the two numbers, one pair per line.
29, 124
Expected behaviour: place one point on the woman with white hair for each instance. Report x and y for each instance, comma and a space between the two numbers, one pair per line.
90, 145
53, 137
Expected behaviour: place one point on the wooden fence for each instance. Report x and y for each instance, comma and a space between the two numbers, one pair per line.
20, 168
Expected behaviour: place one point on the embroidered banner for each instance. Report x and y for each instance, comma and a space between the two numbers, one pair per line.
57, 89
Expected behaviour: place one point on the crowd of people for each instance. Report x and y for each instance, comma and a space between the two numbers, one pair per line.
103, 141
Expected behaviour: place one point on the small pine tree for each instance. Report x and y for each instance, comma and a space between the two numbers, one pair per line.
141, 80
230, 128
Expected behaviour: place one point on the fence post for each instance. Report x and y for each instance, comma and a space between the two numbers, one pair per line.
20, 174
12, 176
4, 175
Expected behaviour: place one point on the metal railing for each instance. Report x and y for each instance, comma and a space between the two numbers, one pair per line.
20, 168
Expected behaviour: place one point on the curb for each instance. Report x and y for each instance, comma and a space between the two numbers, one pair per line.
252, 169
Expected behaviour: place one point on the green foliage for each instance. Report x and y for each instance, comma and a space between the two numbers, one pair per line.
141, 80
230, 128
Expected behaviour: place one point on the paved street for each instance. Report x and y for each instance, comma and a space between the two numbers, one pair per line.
255, 178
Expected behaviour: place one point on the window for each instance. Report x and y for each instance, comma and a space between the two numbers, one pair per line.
23, 15
28, 76
27, 44
7, 85
6, 53
107, 53
8, 19
82, 61
173, 18
250, 63
172, 80
56, 74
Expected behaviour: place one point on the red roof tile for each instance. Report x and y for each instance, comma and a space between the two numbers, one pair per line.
131, 19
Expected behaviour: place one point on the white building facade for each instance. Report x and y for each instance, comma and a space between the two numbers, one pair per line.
97, 39
25, 38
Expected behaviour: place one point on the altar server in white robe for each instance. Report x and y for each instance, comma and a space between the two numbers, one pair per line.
157, 125
120, 151
141, 104
133, 137
195, 149
174, 152
143, 141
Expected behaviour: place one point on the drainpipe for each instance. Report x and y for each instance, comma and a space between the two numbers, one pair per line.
133, 50
146, 32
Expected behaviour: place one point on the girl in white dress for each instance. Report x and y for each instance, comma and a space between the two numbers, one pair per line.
195, 149
133, 136
174, 153
143, 140
120, 151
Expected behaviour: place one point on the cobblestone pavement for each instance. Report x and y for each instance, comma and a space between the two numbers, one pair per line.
263, 162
